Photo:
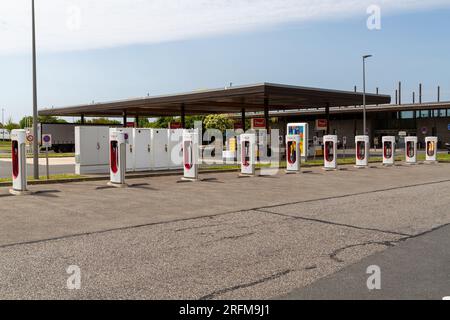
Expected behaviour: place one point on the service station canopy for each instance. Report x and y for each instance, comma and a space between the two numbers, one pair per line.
252, 98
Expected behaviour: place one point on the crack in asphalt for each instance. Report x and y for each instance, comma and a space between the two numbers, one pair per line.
261, 209
335, 253
334, 223
245, 285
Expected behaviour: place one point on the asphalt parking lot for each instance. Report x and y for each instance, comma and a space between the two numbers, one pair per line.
224, 238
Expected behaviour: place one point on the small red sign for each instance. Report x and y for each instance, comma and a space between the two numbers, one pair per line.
258, 123
130, 124
175, 125
237, 125
321, 124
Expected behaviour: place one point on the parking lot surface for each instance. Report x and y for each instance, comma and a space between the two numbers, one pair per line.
250, 238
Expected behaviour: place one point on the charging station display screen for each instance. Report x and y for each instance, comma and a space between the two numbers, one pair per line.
292, 154
361, 150
188, 156
114, 149
431, 148
299, 131
329, 151
246, 154
410, 149
15, 159
388, 149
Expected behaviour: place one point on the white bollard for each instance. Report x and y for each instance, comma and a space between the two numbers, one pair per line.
388, 151
293, 154
431, 144
19, 163
190, 155
330, 152
117, 158
248, 154
411, 150
362, 151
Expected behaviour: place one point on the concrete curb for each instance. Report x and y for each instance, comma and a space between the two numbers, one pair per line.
153, 174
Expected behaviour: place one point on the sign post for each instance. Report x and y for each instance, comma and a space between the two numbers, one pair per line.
344, 144
47, 143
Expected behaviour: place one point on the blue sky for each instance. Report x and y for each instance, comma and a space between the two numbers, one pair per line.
318, 51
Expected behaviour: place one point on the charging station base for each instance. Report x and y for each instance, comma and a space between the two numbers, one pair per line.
292, 172
361, 167
118, 185
330, 169
184, 179
242, 175
431, 162
20, 193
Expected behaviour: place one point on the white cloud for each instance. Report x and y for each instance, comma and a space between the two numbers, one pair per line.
64, 25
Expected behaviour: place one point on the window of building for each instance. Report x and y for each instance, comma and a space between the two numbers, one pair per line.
407, 115
424, 114
442, 113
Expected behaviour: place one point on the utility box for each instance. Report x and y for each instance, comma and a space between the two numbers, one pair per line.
330, 152
362, 151
293, 155
91, 150
411, 150
142, 154
159, 149
388, 150
431, 144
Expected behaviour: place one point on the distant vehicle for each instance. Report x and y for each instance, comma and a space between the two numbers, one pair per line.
447, 145
4, 135
63, 135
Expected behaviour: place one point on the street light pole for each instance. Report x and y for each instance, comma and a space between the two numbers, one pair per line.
364, 94
3, 123
35, 112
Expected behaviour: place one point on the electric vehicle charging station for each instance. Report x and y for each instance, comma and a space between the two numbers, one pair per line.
431, 150
411, 150
388, 150
293, 154
248, 154
190, 155
117, 158
19, 163
362, 151
330, 152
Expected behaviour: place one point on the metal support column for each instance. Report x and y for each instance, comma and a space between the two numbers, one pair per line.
243, 119
327, 113
125, 119
183, 116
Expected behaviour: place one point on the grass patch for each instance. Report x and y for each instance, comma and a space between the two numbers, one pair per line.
41, 155
44, 178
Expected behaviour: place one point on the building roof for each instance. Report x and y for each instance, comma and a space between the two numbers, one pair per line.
354, 109
227, 100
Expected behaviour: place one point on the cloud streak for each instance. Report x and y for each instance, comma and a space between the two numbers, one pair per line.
66, 25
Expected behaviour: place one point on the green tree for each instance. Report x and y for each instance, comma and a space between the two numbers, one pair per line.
26, 122
218, 121
161, 123
10, 125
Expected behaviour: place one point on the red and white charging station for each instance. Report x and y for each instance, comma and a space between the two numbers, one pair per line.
190, 155
117, 158
19, 163
362, 151
411, 150
388, 150
248, 154
330, 152
293, 155
431, 149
